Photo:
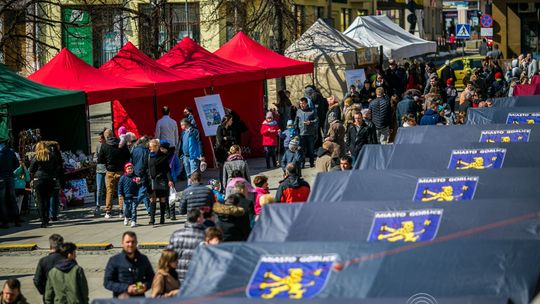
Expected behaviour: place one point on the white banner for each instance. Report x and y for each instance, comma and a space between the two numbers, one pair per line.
211, 112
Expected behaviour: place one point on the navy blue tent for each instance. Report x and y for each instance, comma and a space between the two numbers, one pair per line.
425, 185
442, 269
451, 156
274, 222
436, 135
516, 101
517, 115
211, 300
377, 221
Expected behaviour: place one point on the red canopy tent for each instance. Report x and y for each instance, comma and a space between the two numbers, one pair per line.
242, 49
169, 84
67, 71
527, 89
190, 57
240, 87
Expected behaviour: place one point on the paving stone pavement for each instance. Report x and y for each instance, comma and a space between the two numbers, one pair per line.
79, 225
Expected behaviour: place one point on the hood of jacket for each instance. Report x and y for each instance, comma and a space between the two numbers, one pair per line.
322, 152
112, 141
65, 265
228, 210
293, 181
430, 112
261, 191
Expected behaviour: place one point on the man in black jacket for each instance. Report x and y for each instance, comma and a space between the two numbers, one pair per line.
47, 263
381, 116
358, 135
8, 204
196, 195
114, 159
129, 273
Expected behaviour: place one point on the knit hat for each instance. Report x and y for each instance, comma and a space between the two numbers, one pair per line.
122, 130
293, 144
203, 166
127, 165
450, 81
164, 143
498, 75
269, 114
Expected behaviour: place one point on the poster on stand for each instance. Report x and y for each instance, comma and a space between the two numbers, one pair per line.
211, 112
356, 77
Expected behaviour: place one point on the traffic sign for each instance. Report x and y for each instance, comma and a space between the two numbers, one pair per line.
463, 31
486, 32
486, 20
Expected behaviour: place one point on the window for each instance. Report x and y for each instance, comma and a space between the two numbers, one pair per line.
176, 23
475, 63
319, 12
13, 26
346, 16
300, 19
457, 65
362, 12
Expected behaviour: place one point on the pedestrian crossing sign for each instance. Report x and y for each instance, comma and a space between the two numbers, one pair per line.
463, 31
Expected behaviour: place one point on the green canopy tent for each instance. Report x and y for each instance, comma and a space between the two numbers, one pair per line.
60, 114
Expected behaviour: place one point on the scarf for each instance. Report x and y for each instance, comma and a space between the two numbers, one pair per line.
272, 123
235, 157
153, 154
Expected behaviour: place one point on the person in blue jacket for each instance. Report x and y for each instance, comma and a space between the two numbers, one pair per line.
191, 148
128, 191
431, 116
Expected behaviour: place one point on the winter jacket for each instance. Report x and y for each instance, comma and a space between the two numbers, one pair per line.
380, 112
112, 156
174, 164
248, 205
184, 241
127, 187
292, 157
269, 132
430, 118
195, 197
303, 116
139, 158
192, 146
9, 162
167, 129
336, 134
357, 137
366, 95
66, 284
336, 111
225, 138
405, 107
287, 136
50, 169
292, 189
121, 272
158, 167
324, 161
233, 221
45, 264
233, 163
259, 192
22, 176
397, 80
164, 282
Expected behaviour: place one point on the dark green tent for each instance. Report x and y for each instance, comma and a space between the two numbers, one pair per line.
22, 99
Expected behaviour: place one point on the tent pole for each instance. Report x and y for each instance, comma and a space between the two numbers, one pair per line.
381, 57
154, 100
88, 135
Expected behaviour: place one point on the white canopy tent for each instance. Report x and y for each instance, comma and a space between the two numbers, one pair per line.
397, 43
332, 53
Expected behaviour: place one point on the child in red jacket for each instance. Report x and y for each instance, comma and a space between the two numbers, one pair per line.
270, 131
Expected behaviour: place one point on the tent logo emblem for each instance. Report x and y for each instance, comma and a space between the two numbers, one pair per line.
405, 226
445, 189
290, 277
505, 136
477, 159
523, 118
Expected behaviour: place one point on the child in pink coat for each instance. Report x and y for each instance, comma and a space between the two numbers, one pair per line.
261, 188
270, 131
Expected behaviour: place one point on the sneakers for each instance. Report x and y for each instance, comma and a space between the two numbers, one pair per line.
133, 224
126, 221
121, 215
107, 215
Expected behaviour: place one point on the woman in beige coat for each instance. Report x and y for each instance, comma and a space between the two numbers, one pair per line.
166, 282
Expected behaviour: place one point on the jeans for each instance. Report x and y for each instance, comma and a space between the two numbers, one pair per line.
111, 183
8, 201
270, 152
55, 202
190, 165
383, 135
130, 208
143, 194
307, 142
100, 188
